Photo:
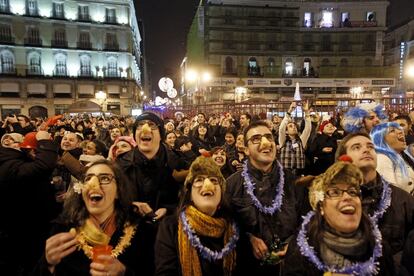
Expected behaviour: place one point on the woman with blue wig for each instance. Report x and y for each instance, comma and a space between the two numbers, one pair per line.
363, 117
389, 142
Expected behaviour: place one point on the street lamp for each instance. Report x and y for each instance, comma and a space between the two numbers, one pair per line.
100, 96
200, 79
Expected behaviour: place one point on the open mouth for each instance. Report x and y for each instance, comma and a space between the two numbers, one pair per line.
207, 193
94, 197
266, 150
348, 210
219, 159
146, 138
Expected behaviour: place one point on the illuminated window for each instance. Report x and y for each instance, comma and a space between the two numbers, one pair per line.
83, 13
110, 15
4, 6
85, 65
34, 64
253, 68
307, 67
345, 16
271, 65
112, 70
307, 19
31, 8
289, 67
371, 16
60, 65
58, 10
327, 19
7, 62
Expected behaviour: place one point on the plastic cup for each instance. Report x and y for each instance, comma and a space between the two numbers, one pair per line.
99, 250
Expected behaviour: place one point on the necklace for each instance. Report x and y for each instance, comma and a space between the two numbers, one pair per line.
251, 186
369, 267
124, 242
385, 201
206, 252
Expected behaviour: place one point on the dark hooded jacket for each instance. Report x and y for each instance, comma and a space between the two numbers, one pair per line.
27, 206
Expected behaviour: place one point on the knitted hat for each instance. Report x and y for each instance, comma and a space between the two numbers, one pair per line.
323, 125
30, 141
340, 172
127, 139
153, 118
17, 137
204, 166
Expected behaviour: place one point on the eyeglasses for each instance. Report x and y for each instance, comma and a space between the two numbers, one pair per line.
256, 139
151, 124
336, 192
104, 178
199, 180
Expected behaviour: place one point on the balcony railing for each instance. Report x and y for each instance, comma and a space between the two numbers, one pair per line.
59, 43
254, 72
32, 41
58, 14
7, 39
34, 71
32, 12
110, 19
5, 9
85, 45
84, 17
60, 72
112, 47
112, 74
8, 70
85, 73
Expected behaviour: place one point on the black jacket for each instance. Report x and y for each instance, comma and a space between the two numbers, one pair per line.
295, 264
134, 258
27, 205
167, 261
319, 159
398, 220
151, 179
282, 224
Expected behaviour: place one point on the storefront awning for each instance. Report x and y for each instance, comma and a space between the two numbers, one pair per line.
84, 107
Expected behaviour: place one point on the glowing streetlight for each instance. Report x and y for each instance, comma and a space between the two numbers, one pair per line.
206, 77
410, 71
141, 93
191, 75
100, 95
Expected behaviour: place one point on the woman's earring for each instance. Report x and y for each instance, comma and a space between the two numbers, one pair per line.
322, 212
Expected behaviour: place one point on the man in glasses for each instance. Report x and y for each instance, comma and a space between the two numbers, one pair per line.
263, 201
396, 218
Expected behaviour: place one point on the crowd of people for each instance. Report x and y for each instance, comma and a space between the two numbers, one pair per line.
208, 195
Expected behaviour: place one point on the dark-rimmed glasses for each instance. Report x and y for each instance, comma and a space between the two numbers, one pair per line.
104, 178
336, 192
256, 139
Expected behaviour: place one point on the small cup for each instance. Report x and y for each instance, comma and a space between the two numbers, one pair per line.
99, 250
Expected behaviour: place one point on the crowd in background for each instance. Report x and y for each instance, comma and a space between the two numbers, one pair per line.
213, 194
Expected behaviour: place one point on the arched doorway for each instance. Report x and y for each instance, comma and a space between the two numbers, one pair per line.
38, 111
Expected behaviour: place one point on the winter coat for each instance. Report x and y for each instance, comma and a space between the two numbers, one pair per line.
407, 264
282, 224
321, 160
27, 205
134, 257
295, 264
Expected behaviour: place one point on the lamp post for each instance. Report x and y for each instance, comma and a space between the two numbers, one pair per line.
100, 96
199, 79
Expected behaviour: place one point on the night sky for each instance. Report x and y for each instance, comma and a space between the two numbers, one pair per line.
166, 23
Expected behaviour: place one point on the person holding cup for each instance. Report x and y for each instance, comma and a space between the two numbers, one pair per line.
98, 232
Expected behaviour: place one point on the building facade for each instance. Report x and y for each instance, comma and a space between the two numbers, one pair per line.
55, 53
261, 49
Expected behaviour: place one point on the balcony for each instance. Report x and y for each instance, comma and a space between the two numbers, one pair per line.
58, 14
254, 72
32, 12
85, 73
84, 45
60, 72
32, 41
345, 47
112, 73
34, 71
59, 44
7, 39
111, 20
359, 24
84, 17
112, 47
5, 9
8, 70
229, 73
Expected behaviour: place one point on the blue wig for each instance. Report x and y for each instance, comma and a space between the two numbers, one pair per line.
354, 118
378, 138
